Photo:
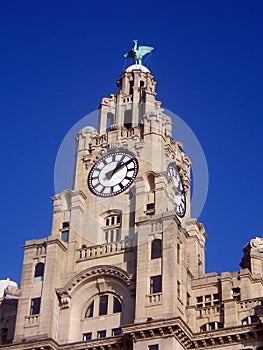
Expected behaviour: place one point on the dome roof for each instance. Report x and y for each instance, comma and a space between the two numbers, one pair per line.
137, 67
4, 284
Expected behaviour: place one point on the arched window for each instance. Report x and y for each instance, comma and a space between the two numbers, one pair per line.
156, 251
110, 118
249, 320
151, 182
112, 228
39, 272
105, 304
211, 326
116, 305
90, 309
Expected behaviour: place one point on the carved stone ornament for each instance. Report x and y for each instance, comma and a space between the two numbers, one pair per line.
256, 242
64, 298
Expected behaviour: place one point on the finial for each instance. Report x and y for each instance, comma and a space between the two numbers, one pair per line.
137, 53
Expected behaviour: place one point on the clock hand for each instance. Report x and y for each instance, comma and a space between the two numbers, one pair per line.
118, 167
110, 173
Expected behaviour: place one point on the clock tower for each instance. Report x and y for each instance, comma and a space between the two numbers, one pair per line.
124, 266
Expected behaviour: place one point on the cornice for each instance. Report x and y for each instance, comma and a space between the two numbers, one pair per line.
46, 241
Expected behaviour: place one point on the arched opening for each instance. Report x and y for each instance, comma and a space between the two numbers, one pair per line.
110, 119
156, 251
116, 305
90, 310
39, 272
128, 119
150, 180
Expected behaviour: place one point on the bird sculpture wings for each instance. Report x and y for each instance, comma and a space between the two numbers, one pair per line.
137, 53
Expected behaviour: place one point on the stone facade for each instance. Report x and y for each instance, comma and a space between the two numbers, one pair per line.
124, 271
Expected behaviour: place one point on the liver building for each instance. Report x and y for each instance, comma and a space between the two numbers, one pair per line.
124, 265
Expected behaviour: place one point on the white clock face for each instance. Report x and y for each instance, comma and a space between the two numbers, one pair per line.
179, 194
112, 174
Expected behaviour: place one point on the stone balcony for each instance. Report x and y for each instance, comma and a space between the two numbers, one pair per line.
32, 320
153, 299
101, 250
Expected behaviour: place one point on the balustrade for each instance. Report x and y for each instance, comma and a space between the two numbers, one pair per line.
102, 249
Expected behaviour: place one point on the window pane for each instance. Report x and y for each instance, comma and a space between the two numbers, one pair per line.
65, 224
199, 299
103, 309
116, 331
150, 206
90, 309
64, 236
116, 305
35, 306
211, 326
106, 236
39, 272
87, 336
245, 321
156, 284
156, 249
112, 235
153, 347
254, 319
118, 234
101, 334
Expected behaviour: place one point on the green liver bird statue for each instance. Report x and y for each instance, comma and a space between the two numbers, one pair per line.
137, 53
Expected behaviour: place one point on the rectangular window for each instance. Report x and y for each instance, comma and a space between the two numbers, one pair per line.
65, 224
188, 298
112, 235
101, 334
208, 298
116, 331
103, 308
179, 289
153, 347
178, 253
156, 284
87, 336
118, 234
236, 293
106, 236
150, 206
65, 236
35, 306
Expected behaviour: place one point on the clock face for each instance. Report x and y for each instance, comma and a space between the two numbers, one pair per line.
112, 174
179, 194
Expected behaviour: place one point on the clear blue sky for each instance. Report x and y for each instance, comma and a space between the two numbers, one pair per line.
59, 58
